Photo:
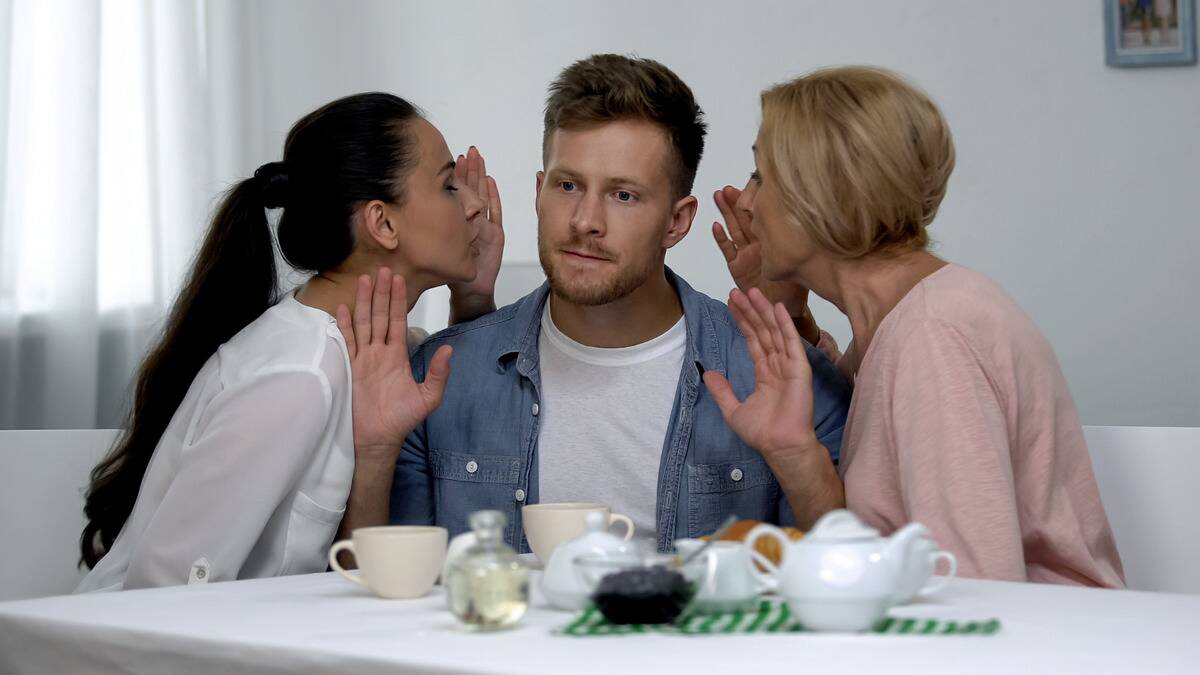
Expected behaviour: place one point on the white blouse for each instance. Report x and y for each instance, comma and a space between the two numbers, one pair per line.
251, 477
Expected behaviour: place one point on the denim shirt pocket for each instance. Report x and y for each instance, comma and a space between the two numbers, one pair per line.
465, 483
743, 487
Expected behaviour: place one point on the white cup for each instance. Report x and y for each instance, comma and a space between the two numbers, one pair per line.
548, 525
733, 582
397, 561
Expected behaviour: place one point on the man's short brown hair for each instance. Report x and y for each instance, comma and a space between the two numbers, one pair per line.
609, 87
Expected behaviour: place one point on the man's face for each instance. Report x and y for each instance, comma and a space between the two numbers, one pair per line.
606, 212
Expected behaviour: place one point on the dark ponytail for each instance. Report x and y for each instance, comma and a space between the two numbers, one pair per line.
353, 150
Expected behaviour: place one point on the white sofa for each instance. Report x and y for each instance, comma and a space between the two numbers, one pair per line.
41, 507
1149, 480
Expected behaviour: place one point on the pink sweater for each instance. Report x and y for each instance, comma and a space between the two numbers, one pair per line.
961, 419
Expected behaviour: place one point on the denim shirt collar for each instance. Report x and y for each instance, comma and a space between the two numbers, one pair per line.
521, 338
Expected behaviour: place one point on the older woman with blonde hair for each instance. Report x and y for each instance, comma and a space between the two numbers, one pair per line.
961, 417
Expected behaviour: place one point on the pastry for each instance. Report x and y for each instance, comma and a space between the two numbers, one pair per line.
768, 547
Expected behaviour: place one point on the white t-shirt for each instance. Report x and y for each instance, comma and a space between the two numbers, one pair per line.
251, 477
604, 416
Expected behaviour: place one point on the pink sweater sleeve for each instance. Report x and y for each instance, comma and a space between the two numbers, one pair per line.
955, 469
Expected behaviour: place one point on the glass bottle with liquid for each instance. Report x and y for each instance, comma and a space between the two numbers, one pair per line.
488, 585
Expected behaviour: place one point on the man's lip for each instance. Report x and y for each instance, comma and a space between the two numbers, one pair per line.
584, 255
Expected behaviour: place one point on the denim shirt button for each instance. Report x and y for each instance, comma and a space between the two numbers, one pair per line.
736, 475
472, 467
534, 409
520, 495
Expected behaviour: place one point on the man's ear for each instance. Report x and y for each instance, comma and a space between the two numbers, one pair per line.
682, 215
379, 224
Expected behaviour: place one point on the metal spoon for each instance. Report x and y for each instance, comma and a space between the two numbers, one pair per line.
725, 527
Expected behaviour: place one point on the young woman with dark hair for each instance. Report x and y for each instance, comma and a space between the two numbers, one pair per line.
239, 452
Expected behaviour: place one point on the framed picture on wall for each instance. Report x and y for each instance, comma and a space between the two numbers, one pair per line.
1150, 32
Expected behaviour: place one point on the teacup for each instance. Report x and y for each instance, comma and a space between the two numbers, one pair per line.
398, 561
734, 582
548, 525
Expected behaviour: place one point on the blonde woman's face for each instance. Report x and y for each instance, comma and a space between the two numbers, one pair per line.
784, 245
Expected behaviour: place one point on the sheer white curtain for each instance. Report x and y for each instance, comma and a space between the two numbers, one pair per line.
119, 123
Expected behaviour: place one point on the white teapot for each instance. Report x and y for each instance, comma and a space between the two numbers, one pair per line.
843, 576
562, 582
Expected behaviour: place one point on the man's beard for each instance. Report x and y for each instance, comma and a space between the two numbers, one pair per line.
621, 280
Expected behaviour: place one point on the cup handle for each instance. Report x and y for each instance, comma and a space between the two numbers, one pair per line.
938, 584
769, 578
344, 545
617, 517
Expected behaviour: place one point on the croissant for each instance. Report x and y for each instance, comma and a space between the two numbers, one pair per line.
768, 547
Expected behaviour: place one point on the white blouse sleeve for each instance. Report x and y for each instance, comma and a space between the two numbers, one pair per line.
248, 453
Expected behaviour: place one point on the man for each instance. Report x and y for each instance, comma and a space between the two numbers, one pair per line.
589, 388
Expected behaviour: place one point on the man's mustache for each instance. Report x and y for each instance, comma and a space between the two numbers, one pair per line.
586, 247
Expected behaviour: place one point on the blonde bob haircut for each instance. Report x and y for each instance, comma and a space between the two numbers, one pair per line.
860, 156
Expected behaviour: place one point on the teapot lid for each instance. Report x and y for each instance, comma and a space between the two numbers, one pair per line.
841, 525
596, 539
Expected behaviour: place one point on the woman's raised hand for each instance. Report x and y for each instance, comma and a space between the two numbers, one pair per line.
470, 172
387, 402
777, 417
742, 250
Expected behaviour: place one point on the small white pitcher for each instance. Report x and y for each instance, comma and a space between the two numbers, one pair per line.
733, 582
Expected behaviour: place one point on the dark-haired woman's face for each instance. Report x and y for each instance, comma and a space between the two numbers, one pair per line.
437, 237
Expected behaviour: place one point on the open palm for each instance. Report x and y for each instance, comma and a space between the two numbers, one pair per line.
778, 414
387, 402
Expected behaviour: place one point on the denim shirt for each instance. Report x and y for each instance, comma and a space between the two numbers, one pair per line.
479, 449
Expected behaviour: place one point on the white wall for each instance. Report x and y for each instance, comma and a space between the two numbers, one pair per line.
1075, 188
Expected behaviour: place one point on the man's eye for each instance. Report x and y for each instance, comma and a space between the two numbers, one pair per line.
624, 196
567, 186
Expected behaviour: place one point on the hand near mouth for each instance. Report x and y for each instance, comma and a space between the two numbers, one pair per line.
470, 299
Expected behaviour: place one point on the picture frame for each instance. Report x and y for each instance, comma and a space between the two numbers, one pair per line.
1141, 33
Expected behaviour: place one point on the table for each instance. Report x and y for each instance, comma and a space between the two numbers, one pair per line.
322, 623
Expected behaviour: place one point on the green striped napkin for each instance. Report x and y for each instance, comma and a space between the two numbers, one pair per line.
771, 616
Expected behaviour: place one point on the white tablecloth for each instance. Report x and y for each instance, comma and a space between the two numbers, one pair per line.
322, 623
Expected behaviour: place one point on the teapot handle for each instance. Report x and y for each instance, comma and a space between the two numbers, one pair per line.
936, 585
765, 583
770, 578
